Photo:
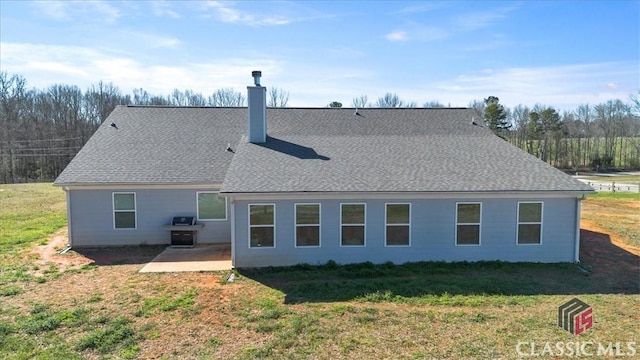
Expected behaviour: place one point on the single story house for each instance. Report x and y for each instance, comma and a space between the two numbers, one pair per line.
308, 185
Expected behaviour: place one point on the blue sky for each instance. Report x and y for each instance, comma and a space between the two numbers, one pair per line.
560, 54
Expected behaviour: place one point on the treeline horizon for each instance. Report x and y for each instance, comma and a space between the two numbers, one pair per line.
41, 130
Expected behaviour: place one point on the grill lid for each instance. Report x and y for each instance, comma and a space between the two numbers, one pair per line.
183, 220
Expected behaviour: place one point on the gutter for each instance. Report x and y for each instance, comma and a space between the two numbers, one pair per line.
69, 227
233, 231
577, 242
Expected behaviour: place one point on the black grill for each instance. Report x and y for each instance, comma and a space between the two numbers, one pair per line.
182, 231
183, 238
183, 221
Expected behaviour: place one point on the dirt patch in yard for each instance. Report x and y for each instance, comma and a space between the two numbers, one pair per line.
49, 253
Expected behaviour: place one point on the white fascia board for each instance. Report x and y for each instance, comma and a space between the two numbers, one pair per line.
213, 186
408, 195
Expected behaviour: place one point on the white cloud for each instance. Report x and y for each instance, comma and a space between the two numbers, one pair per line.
162, 8
54, 67
460, 24
74, 10
397, 36
56, 10
86, 66
565, 86
481, 19
226, 12
313, 84
151, 40
418, 32
418, 9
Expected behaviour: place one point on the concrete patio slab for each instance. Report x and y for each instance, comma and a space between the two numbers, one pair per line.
210, 257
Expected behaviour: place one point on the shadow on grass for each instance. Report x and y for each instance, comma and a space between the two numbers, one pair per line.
611, 267
121, 255
606, 269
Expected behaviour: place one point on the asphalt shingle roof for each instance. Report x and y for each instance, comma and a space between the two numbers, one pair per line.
158, 145
310, 150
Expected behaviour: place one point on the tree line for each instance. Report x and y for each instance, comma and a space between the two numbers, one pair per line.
41, 130
598, 137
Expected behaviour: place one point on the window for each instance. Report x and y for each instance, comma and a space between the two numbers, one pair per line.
307, 224
262, 219
211, 206
529, 223
124, 210
398, 224
352, 224
468, 219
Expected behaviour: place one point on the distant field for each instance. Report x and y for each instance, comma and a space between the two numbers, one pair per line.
102, 308
629, 179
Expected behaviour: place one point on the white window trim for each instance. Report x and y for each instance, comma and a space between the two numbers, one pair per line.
252, 226
455, 239
354, 224
295, 221
226, 216
518, 223
134, 211
387, 224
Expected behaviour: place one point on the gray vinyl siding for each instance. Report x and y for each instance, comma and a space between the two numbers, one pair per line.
432, 233
91, 214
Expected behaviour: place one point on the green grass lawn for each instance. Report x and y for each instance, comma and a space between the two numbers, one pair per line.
29, 212
361, 311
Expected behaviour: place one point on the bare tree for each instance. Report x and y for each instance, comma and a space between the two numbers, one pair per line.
277, 97
360, 102
177, 98
434, 104
141, 97
478, 106
610, 118
519, 118
226, 97
194, 99
101, 99
12, 93
389, 100
635, 103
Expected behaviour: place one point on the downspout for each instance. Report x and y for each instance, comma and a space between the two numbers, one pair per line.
233, 231
578, 209
69, 227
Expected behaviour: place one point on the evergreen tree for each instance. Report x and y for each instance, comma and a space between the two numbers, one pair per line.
495, 115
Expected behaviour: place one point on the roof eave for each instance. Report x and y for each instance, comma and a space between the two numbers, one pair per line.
413, 194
